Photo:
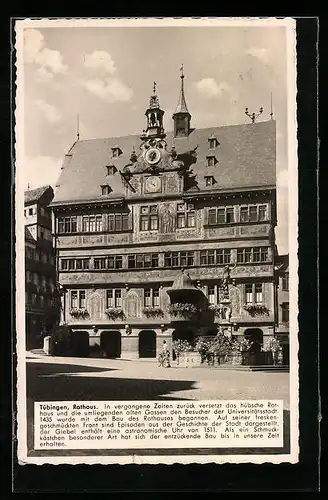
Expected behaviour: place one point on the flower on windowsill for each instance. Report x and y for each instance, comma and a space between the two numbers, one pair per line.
256, 309
152, 311
115, 312
79, 313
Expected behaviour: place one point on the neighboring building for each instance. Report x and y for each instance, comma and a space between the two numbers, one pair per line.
131, 212
40, 273
282, 301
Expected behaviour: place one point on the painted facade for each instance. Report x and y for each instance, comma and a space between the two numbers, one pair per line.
130, 213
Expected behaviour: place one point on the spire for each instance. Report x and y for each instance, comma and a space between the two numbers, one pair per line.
182, 105
181, 116
154, 116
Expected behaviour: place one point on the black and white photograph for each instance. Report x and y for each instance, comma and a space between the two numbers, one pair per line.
156, 241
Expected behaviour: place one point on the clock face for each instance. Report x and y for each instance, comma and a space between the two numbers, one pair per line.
153, 184
152, 156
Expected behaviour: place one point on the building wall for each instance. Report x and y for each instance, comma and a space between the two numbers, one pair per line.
167, 238
40, 274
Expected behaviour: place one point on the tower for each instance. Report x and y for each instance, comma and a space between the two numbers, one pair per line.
181, 117
154, 116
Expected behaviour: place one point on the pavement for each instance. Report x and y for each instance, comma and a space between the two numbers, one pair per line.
51, 378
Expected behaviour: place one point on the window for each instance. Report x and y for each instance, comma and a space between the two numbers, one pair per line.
105, 190
116, 151
179, 259
211, 294
220, 215
67, 225
211, 161
254, 293
100, 263
74, 264
212, 142
111, 169
249, 293
149, 218
258, 254
118, 222
92, 223
209, 180
185, 215
78, 299
142, 260
74, 299
285, 312
285, 282
113, 298
258, 293
30, 211
151, 297
115, 262
253, 213
223, 256
211, 257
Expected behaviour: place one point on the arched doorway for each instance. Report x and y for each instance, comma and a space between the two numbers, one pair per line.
255, 336
110, 343
79, 343
147, 344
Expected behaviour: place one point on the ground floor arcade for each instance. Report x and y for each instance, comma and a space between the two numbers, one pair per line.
146, 341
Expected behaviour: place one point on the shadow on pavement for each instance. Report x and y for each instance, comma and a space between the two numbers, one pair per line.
41, 386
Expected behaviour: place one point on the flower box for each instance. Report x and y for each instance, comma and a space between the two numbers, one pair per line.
256, 309
152, 312
79, 313
115, 313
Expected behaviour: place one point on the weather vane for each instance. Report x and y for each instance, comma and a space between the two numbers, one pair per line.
154, 88
181, 69
253, 116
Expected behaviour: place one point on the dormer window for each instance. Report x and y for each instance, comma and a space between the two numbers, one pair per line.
105, 190
213, 142
111, 169
209, 180
211, 160
116, 151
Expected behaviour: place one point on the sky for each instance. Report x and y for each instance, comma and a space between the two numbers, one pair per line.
105, 76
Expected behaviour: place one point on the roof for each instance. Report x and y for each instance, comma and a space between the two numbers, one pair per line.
28, 235
282, 263
34, 195
246, 158
183, 282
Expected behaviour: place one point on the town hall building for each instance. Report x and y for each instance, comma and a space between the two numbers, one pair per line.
168, 234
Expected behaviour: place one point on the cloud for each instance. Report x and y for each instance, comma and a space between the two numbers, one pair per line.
104, 85
208, 87
50, 112
108, 89
49, 62
40, 171
259, 53
43, 75
100, 60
